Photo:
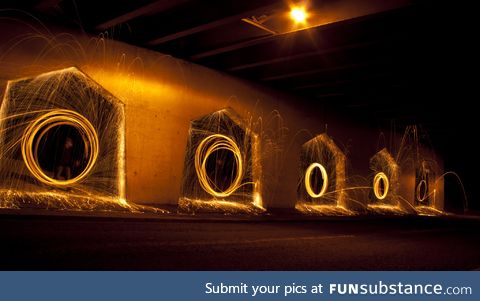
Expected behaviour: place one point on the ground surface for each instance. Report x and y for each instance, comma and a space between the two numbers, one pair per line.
204, 243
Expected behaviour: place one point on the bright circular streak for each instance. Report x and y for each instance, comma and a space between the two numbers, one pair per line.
298, 14
40, 126
379, 178
208, 146
421, 197
308, 174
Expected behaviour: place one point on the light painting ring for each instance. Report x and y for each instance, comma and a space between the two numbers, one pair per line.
208, 146
380, 177
420, 197
308, 174
40, 126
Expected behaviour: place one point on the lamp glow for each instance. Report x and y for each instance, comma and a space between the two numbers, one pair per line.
298, 14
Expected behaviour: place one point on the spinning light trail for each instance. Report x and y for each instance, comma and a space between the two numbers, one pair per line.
40, 126
308, 185
379, 191
207, 147
421, 191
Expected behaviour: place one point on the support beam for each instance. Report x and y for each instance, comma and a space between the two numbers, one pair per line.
322, 85
150, 9
211, 25
252, 42
363, 79
290, 58
312, 72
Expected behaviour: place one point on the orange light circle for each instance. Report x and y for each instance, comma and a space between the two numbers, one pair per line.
421, 197
40, 126
308, 174
208, 146
379, 178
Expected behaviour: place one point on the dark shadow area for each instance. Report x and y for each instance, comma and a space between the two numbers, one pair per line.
343, 243
221, 169
62, 146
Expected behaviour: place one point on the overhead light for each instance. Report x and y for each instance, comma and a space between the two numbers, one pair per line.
298, 14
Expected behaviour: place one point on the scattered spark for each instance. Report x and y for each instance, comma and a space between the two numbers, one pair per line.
34, 107
322, 153
385, 183
54, 200
386, 209
218, 206
221, 164
103, 186
428, 211
323, 210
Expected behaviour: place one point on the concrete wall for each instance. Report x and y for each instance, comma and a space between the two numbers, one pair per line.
162, 94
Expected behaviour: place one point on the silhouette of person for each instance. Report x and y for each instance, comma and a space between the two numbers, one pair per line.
65, 163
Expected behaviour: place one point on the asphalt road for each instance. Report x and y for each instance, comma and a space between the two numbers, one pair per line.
122, 243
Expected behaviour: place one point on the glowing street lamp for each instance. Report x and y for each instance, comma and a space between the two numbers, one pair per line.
298, 14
